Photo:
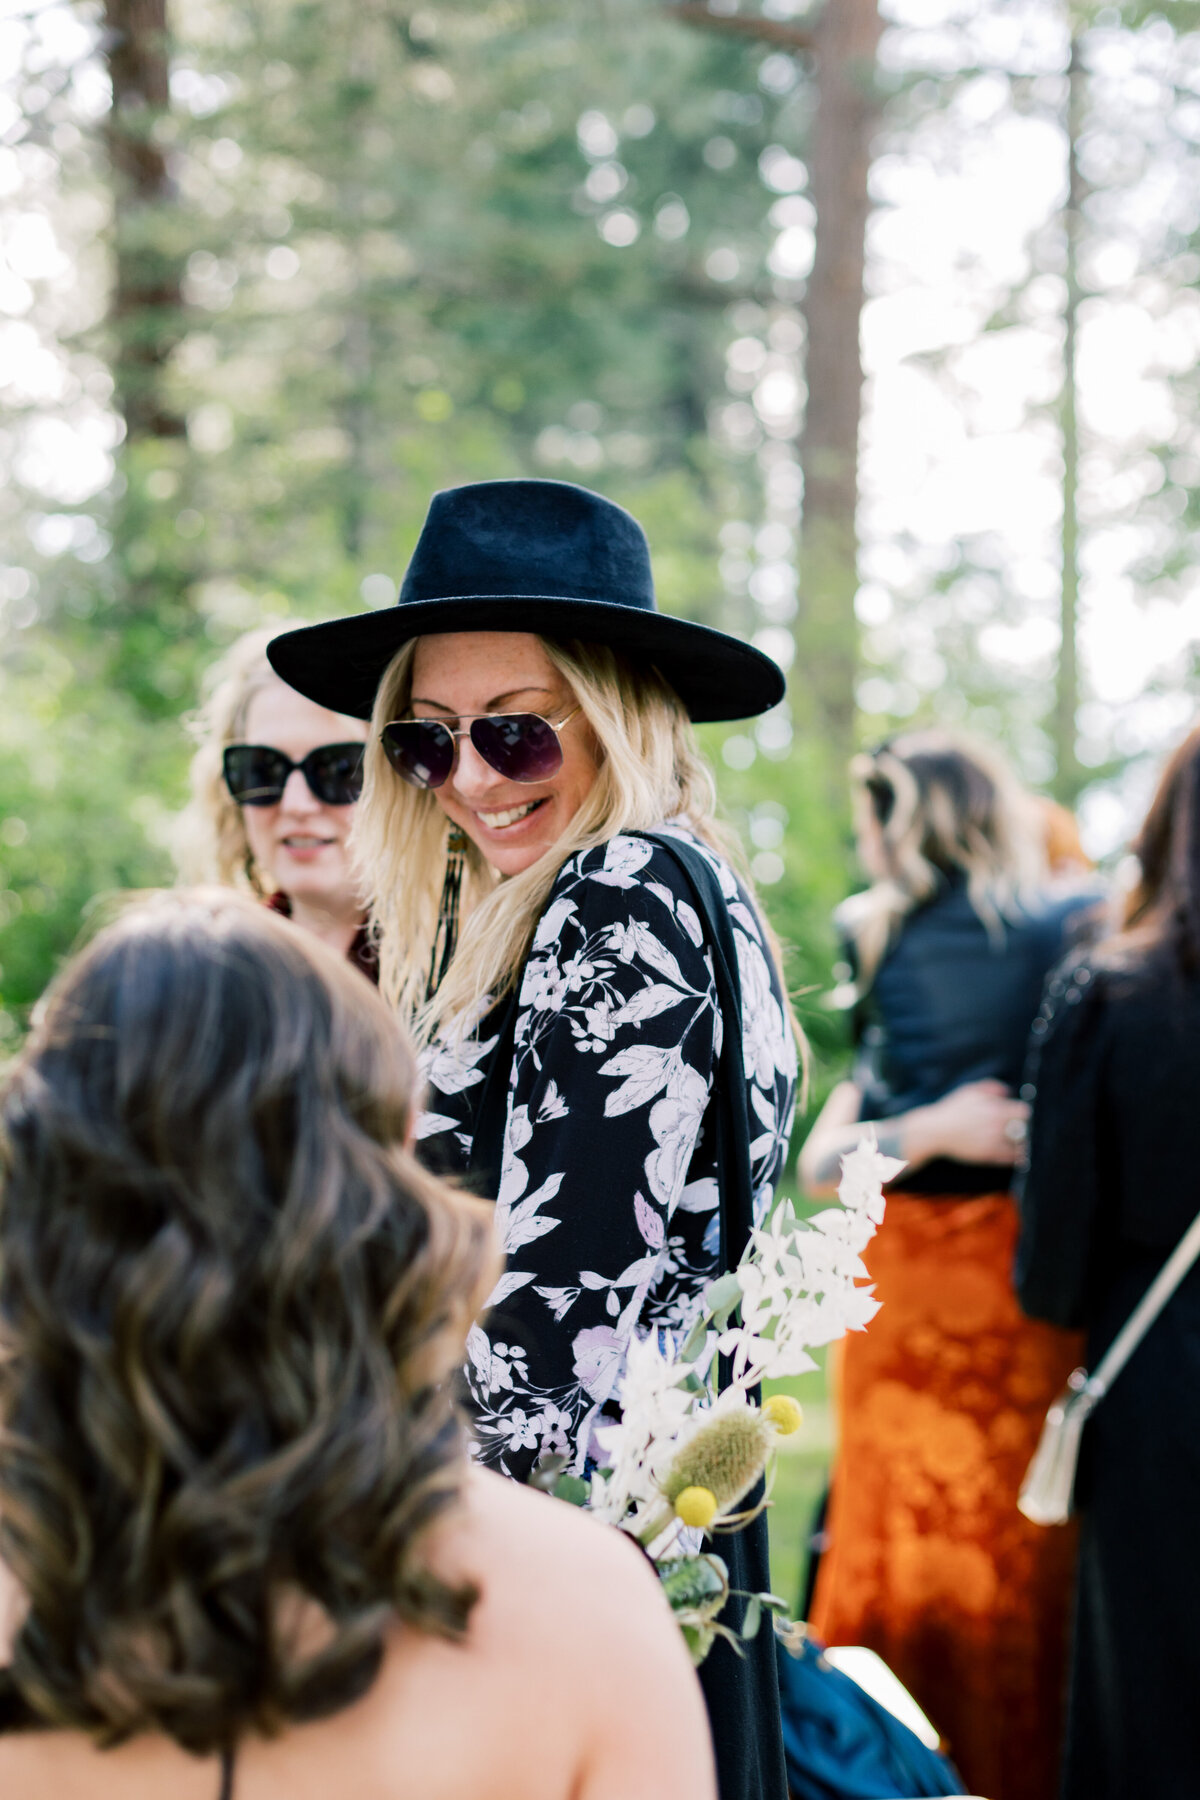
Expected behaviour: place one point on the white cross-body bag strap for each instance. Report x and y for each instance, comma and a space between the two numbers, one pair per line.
1045, 1496
1147, 1309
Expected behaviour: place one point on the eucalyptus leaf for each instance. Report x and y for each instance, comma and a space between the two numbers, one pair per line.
722, 1297
726, 1290
573, 1489
694, 1582
731, 1638
753, 1618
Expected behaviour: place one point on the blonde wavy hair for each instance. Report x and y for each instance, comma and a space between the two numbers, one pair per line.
943, 805
651, 770
210, 837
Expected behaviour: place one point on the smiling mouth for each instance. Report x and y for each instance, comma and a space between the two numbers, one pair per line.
498, 820
296, 842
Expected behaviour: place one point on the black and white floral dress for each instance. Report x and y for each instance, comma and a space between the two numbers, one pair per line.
607, 1201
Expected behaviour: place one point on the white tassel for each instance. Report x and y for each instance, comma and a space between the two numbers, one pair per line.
1049, 1483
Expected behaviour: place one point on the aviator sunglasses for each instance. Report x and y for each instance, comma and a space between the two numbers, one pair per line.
519, 746
256, 774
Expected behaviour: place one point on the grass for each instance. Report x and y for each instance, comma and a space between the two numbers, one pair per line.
801, 1474
802, 1465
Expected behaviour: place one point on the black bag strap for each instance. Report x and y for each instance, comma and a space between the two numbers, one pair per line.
491, 1115
736, 1202
736, 1195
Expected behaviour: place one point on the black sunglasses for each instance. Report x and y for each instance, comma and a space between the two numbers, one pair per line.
256, 774
519, 746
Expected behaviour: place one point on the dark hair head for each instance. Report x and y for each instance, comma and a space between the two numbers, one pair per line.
942, 808
940, 797
230, 1302
1163, 910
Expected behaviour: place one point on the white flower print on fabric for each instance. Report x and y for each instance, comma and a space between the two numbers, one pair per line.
451, 1066
607, 1202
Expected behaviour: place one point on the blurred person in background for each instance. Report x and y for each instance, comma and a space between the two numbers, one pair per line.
1110, 1189
274, 784
559, 914
941, 1402
1066, 858
243, 1550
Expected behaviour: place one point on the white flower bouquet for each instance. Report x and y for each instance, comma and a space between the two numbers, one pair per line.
692, 1439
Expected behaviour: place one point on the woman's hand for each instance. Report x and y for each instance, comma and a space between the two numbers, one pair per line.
980, 1122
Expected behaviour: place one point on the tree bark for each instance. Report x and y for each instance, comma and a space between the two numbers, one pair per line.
1069, 776
763, 31
847, 40
147, 290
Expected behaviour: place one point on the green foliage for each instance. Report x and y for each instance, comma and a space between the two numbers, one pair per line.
939, 610
421, 247
428, 244
792, 812
400, 276
83, 785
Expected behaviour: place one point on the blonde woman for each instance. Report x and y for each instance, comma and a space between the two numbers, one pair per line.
274, 783
609, 1049
942, 1400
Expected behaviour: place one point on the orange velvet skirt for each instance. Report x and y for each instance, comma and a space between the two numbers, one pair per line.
940, 1405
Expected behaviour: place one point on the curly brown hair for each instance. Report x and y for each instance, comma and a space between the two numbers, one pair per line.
230, 1308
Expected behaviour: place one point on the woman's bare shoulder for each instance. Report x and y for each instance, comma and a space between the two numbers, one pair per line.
527, 1546
576, 1605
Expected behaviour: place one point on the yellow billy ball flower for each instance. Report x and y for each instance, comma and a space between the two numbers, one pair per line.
696, 1506
784, 1413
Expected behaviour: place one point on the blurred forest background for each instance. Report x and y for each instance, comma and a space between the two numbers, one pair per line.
881, 315
882, 318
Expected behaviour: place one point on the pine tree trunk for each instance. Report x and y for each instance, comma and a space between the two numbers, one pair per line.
847, 39
1068, 775
147, 297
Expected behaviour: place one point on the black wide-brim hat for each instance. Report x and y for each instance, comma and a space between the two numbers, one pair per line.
539, 556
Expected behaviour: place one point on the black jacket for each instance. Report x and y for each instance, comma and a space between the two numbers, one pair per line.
951, 1003
1112, 1184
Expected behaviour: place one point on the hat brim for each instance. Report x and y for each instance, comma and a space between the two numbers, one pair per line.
340, 664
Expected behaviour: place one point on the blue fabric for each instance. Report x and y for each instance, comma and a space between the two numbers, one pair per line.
842, 1745
504, 539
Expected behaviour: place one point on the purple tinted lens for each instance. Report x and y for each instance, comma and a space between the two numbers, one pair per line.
420, 750
519, 746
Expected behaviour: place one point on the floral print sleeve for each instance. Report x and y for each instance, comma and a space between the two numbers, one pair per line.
607, 1204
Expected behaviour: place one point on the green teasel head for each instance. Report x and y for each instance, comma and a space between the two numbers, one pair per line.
726, 1455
